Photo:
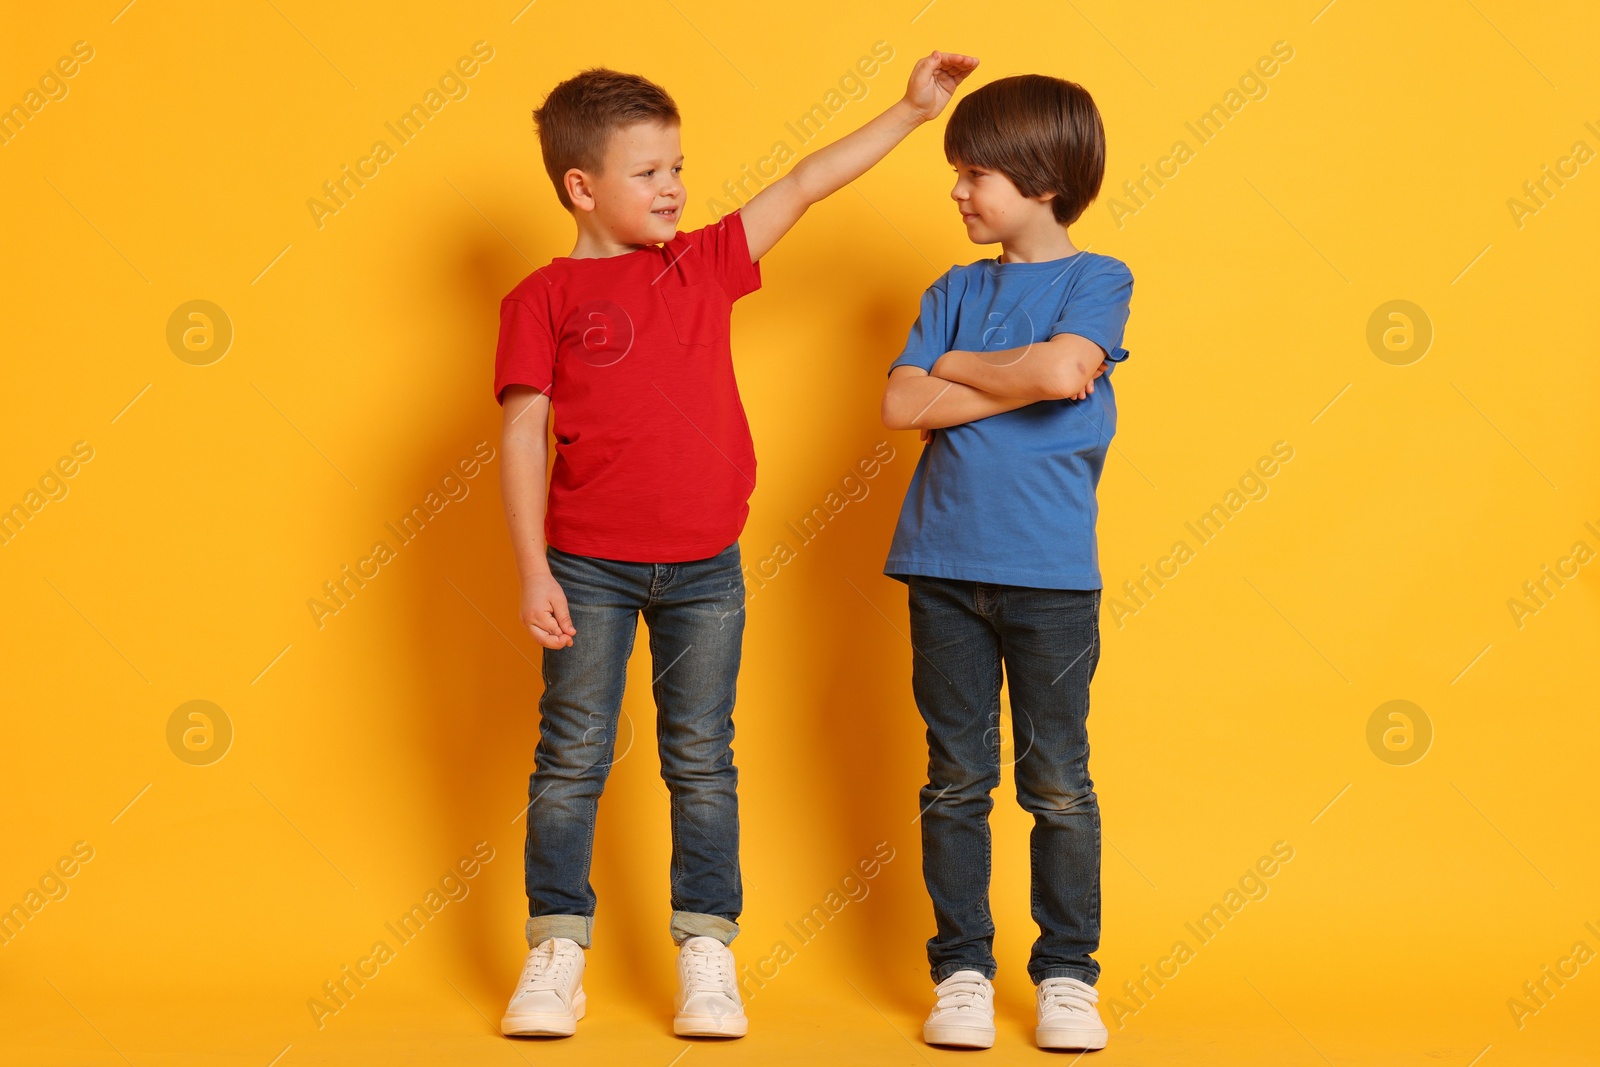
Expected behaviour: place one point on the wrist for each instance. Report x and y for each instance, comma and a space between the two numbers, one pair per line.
909, 113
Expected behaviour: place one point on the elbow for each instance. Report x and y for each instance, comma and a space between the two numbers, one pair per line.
795, 188
894, 412
1062, 387
1065, 379
800, 179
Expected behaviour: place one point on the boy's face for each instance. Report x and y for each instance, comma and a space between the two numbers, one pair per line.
992, 208
638, 195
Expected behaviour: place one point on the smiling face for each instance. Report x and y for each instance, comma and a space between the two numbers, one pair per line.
993, 210
637, 198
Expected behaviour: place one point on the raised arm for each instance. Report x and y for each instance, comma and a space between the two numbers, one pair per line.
913, 399
1062, 368
774, 210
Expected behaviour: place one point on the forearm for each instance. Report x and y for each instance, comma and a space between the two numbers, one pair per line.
1048, 370
773, 211
829, 169
525, 456
923, 402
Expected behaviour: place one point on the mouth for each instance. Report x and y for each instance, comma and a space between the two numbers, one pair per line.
968, 216
667, 213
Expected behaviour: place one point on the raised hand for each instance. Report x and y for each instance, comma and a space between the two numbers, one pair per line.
934, 79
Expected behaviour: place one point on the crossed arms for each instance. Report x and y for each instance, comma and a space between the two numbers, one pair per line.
968, 386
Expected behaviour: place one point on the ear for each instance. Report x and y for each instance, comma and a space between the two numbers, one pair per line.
578, 189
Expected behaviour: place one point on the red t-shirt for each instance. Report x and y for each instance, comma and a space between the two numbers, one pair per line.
654, 461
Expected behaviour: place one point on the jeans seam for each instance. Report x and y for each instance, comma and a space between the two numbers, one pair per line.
1095, 908
988, 831
594, 807
672, 819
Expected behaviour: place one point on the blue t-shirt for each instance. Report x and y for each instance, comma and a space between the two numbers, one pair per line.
1010, 499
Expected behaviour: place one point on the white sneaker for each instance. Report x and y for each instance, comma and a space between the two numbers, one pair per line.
1067, 1015
549, 999
708, 1002
963, 1014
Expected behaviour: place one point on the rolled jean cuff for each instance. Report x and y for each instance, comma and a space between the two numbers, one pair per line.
1087, 977
687, 924
579, 928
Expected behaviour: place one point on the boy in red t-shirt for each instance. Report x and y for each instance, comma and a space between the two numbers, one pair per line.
623, 346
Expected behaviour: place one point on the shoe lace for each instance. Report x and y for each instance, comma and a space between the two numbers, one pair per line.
1064, 996
548, 969
961, 993
707, 969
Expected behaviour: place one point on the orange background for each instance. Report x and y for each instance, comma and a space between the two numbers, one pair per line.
370, 755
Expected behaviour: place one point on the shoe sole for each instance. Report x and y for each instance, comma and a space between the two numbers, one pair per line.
539, 1024
710, 1025
1088, 1040
958, 1036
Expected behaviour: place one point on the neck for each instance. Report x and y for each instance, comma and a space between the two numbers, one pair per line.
1038, 244
595, 242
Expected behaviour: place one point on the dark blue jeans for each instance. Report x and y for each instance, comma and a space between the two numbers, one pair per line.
695, 615
1048, 642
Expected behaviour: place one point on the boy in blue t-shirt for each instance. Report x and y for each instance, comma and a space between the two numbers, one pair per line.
996, 542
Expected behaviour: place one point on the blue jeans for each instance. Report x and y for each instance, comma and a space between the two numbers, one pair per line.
695, 615
1048, 641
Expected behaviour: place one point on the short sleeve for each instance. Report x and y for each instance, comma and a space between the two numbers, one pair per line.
526, 352
932, 333
726, 253
1098, 308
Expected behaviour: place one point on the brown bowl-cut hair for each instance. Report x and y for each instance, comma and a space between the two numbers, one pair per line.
577, 119
1043, 133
